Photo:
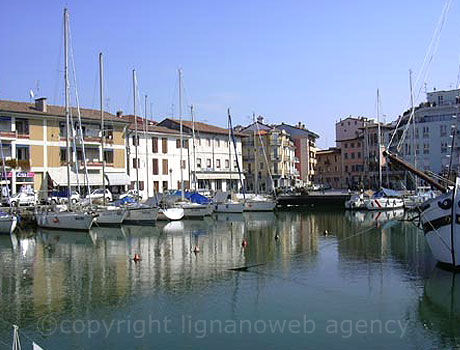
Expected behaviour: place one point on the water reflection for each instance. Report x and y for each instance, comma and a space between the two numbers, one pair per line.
439, 308
73, 274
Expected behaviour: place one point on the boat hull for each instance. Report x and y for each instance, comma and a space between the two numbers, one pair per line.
114, 216
170, 214
141, 216
65, 220
195, 211
384, 203
266, 205
237, 207
8, 223
440, 218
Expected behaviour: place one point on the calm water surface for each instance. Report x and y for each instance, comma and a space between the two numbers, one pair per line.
369, 283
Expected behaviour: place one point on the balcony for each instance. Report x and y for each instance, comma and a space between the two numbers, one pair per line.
8, 134
23, 164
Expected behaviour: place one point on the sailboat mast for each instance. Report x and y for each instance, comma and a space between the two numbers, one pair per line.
413, 125
101, 100
194, 148
256, 180
146, 148
379, 141
229, 148
181, 136
67, 102
136, 137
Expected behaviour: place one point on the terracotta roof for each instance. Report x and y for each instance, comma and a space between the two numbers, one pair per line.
207, 128
54, 111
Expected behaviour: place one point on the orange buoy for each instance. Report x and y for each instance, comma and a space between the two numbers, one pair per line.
196, 249
137, 257
244, 243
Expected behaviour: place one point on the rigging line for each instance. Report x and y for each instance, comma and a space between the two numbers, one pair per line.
85, 163
423, 66
266, 158
58, 64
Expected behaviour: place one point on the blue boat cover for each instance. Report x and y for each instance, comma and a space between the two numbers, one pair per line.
194, 197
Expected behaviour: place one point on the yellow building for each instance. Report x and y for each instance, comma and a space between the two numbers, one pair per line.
33, 139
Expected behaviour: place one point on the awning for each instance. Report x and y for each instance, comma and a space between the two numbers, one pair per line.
218, 176
59, 177
118, 179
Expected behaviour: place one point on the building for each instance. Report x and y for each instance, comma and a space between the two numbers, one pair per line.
269, 159
33, 139
213, 161
157, 165
305, 150
349, 138
329, 167
430, 138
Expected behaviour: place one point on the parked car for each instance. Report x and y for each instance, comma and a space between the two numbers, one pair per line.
22, 198
60, 197
99, 195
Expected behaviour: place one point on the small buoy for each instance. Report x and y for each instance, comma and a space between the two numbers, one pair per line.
325, 233
137, 258
277, 236
196, 249
244, 243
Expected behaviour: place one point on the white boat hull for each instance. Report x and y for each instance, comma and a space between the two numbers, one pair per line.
141, 216
195, 211
8, 223
384, 203
111, 216
65, 220
170, 214
440, 218
233, 207
265, 205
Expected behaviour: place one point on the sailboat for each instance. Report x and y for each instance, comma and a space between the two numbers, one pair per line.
259, 202
107, 215
191, 210
64, 217
8, 221
140, 213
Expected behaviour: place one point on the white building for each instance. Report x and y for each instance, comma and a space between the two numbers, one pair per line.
214, 161
158, 159
434, 121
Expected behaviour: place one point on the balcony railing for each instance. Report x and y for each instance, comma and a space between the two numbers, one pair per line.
13, 134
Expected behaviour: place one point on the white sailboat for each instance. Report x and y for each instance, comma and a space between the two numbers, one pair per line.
139, 213
8, 221
66, 218
170, 214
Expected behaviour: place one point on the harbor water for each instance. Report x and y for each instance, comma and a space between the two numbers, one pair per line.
307, 279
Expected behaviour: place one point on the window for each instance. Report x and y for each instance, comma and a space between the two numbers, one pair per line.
141, 185
198, 162
184, 164
165, 186
444, 147
177, 143
156, 186
208, 142
185, 144
109, 132
108, 156
136, 163
352, 145
443, 130
261, 165
62, 129
165, 167
227, 164
135, 142
426, 148
359, 155
208, 163
22, 126
63, 154
346, 145
346, 168
164, 145
352, 155
346, 155
218, 163
22, 152
218, 142
155, 166
155, 144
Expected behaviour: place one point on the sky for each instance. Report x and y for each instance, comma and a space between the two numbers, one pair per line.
290, 61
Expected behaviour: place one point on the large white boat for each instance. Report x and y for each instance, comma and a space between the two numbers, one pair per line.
259, 203
356, 202
111, 215
194, 210
141, 215
65, 220
230, 206
8, 222
384, 199
440, 218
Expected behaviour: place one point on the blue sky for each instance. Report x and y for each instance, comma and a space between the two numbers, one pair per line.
309, 61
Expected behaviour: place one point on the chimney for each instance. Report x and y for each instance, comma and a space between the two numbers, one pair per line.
119, 114
260, 119
299, 125
303, 126
40, 104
